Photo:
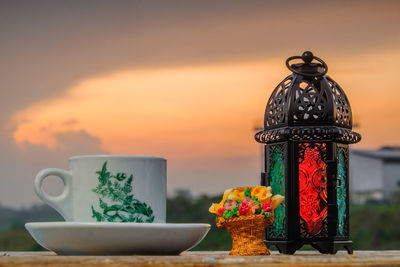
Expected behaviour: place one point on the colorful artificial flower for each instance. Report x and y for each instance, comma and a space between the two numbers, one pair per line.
262, 193
229, 204
243, 201
248, 200
221, 211
276, 200
215, 207
251, 203
244, 208
226, 194
256, 190
254, 208
266, 207
236, 195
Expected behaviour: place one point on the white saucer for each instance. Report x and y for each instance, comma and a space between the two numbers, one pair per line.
79, 238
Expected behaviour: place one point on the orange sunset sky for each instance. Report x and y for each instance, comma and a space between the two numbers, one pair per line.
185, 80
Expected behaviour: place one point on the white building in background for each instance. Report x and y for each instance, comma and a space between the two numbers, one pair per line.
374, 174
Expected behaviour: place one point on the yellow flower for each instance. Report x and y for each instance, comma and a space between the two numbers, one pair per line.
262, 193
257, 190
226, 193
215, 207
236, 194
276, 200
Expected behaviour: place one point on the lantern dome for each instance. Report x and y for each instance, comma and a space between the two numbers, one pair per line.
308, 104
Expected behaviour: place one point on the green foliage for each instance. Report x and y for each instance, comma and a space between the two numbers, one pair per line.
228, 214
15, 219
267, 214
247, 192
123, 207
372, 227
18, 240
375, 227
235, 210
184, 209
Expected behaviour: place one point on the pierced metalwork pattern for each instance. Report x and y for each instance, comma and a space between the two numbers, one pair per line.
276, 110
342, 158
341, 135
313, 192
341, 105
278, 182
310, 103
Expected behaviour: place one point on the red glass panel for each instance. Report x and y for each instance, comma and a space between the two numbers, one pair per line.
312, 190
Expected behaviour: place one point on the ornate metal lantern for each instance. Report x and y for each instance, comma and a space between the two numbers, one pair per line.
307, 132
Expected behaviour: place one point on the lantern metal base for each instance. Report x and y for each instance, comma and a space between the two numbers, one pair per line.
324, 247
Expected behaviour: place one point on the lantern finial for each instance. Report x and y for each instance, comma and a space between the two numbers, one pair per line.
308, 68
307, 57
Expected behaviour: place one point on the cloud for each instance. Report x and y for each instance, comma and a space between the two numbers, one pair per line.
203, 129
145, 111
49, 47
70, 122
78, 141
20, 166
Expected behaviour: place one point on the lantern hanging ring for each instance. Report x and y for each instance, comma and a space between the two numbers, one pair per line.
307, 68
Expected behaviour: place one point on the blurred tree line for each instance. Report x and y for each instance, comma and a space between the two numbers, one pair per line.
373, 226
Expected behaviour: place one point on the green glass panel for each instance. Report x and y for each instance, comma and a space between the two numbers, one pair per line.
277, 182
342, 192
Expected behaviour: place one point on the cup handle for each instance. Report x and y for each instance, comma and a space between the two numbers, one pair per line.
61, 203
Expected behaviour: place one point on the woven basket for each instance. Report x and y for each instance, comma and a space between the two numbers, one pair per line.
247, 234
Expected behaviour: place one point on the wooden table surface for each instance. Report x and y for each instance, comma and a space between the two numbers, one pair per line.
302, 258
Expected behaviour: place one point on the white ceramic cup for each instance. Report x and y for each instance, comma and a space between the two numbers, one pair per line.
109, 188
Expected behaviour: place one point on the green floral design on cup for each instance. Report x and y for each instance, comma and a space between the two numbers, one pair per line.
117, 200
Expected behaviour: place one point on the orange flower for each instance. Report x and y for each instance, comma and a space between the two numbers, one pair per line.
262, 193
254, 208
250, 204
215, 207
